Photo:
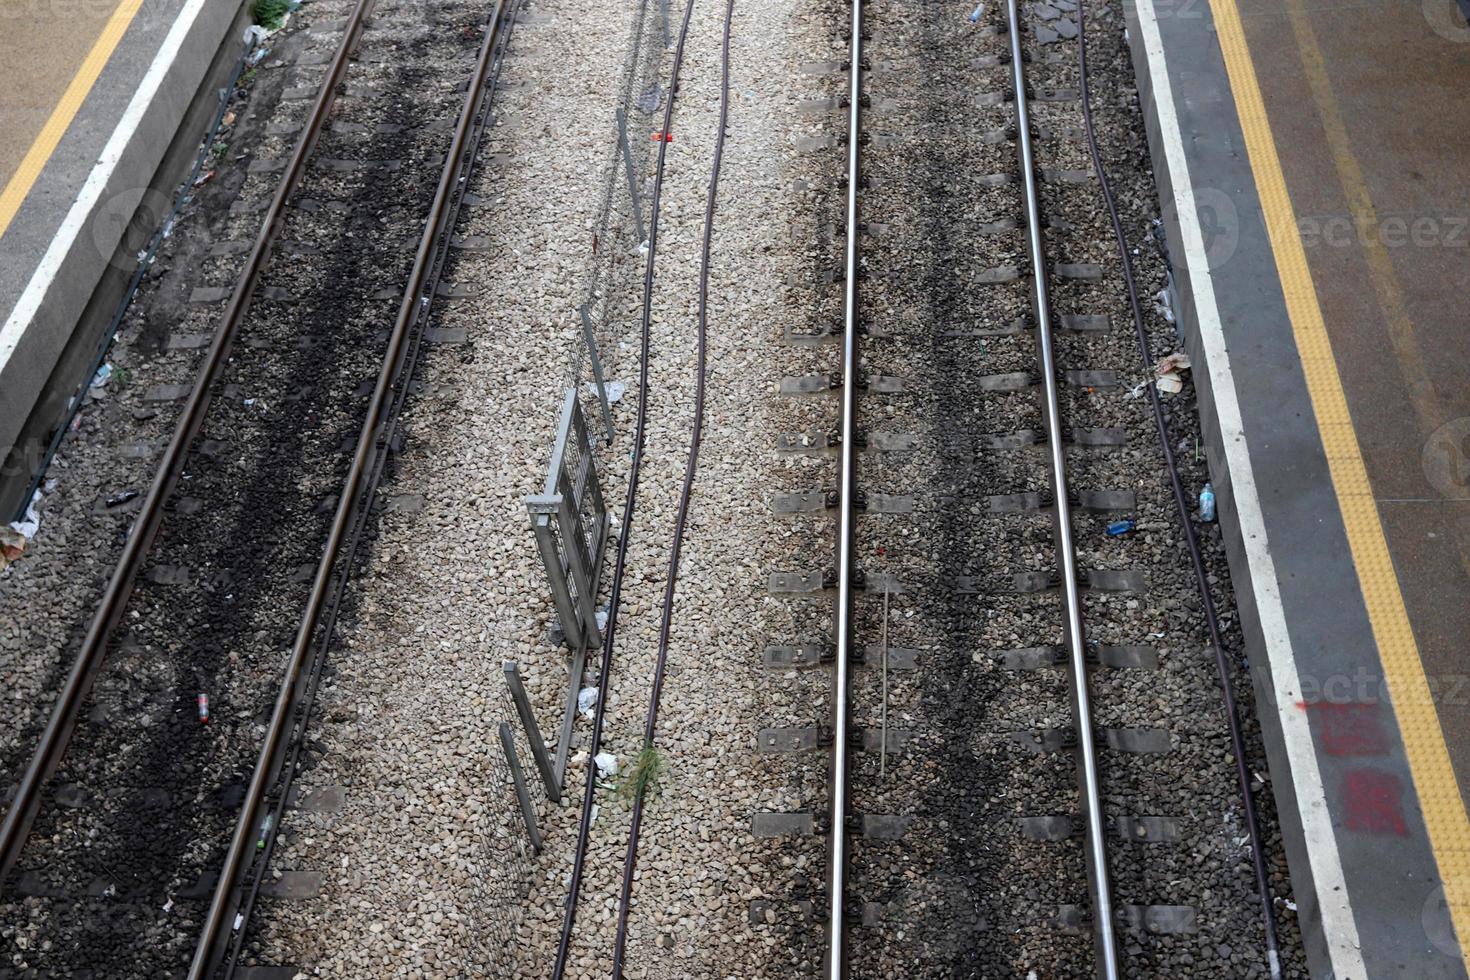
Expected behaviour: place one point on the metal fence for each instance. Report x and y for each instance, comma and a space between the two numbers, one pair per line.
501, 875
619, 240
569, 517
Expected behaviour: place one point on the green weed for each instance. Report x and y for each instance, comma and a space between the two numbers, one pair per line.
641, 778
270, 14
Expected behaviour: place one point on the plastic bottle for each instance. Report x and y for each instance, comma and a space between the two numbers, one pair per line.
1207, 503
265, 829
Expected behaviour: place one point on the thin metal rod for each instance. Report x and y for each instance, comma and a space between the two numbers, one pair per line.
1182, 508
628, 168
518, 779
93, 650
1094, 828
846, 478
590, 336
413, 297
883, 723
533, 731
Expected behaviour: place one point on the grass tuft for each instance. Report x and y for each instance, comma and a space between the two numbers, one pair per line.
641, 778
270, 14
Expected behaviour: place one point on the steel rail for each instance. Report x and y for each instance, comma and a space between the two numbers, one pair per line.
1094, 828
182, 195
615, 591
57, 735
226, 959
1182, 508
415, 299
846, 480
686, 492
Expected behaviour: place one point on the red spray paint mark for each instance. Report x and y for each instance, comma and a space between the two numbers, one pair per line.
1373, 803
1348, 729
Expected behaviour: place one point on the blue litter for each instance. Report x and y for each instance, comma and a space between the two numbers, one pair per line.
1120, 528
1207, 503
979, 12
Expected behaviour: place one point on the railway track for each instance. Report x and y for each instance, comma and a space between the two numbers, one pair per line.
1004, 750
137, 841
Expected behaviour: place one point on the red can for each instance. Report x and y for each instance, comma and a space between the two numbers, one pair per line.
203, 701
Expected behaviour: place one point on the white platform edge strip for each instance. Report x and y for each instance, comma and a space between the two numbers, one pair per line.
1339, 928
81, 210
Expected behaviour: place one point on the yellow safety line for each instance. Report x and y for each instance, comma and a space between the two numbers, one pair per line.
1424, 744
81, 84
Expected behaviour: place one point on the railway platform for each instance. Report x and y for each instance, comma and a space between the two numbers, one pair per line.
91, 97
1311, 164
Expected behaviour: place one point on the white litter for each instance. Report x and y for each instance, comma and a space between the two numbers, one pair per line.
607, 764
615, 391
1164, 304
1177, 361
32, 522
1169, 370
586, 701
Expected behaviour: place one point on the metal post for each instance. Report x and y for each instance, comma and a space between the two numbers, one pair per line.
1094, 827
837, 875
569, 711
518, 777
591, 339
632, 178
533, 731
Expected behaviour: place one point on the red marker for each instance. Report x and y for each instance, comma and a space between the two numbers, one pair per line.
203, 701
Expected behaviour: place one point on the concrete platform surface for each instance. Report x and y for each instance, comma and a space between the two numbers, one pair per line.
91, 96
1312, 162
